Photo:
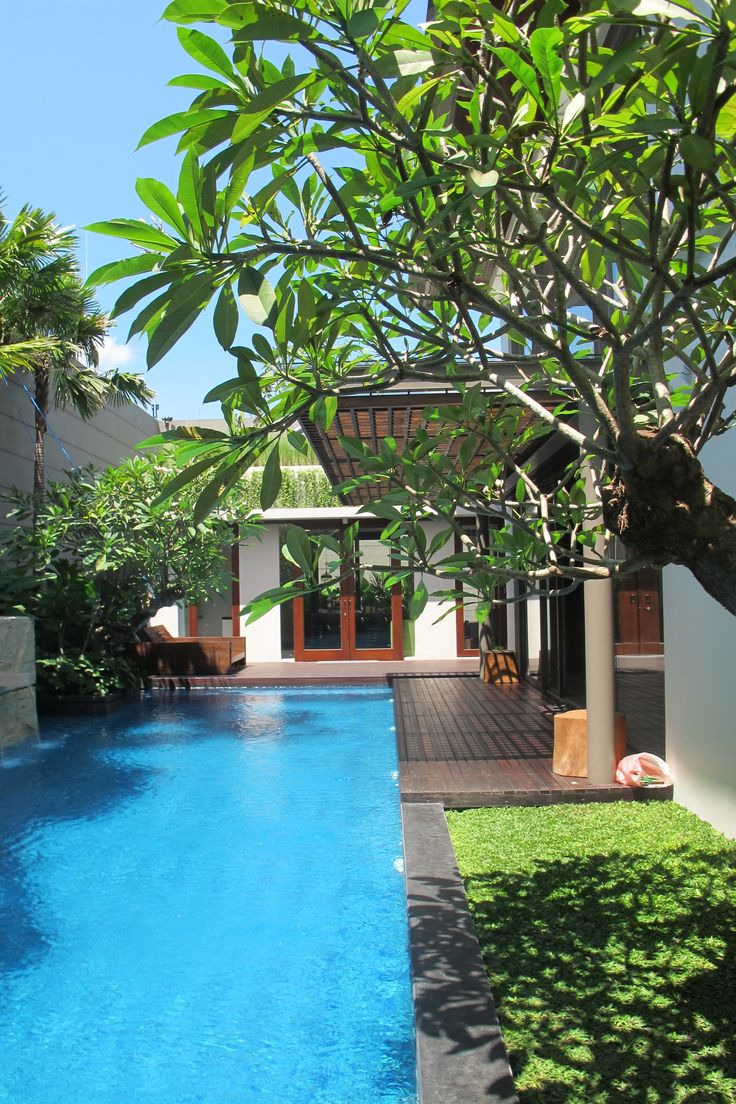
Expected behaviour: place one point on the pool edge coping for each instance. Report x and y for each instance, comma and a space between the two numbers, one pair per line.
461, 1055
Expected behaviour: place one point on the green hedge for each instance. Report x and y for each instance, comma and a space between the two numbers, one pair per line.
301, 489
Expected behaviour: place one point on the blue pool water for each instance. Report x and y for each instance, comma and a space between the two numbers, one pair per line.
201, 901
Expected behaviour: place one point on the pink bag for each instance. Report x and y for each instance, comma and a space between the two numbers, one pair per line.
643, 769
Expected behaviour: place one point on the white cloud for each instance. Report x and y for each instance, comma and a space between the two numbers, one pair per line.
114, 355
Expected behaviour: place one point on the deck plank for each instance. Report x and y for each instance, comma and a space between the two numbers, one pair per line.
465, 742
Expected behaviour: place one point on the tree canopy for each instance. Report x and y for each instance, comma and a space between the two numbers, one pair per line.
533, 204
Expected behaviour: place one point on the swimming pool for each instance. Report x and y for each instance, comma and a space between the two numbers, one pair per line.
201, 900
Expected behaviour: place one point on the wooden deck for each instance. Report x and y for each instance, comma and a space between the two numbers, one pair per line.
465, 744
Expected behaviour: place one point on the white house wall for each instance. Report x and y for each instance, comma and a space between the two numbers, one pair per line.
435, 641
700, 687
259, 571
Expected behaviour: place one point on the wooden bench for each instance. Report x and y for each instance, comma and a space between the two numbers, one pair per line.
163, 654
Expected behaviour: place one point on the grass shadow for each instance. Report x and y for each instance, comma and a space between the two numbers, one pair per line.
615, 975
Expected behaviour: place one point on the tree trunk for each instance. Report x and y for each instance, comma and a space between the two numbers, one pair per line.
41, 376
667, 509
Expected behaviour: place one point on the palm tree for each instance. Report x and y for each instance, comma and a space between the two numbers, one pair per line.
31, 250
51, 325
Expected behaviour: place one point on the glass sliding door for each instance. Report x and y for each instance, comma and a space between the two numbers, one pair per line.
375, 620
320, 629
354, 617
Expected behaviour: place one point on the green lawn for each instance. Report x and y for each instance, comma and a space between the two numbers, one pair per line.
609, 935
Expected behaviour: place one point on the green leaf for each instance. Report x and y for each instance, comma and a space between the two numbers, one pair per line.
224, 391
176, 123
697, 151
404, 63
136, 231
190, 183
726, 121
259, 22
248, 124
276, 93
226, 317
299, 547
201, 81
118, 270
574, 108
161, 202
238, 179
257, 297
207, 52
665, 8
185, 477
418, 601
186, 305
521, 70
480, 181
544, 45
364, 23
193, 10
133, 295
268, 601
271, 484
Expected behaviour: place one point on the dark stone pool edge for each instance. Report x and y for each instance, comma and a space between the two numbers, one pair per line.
461, 1057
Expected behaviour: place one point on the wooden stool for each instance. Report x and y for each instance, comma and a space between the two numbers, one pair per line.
570, 757
500, 667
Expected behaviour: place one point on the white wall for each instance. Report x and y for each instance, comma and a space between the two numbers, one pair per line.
170, 618
534, 632
104, 440
210, 614
259, 571
435, 641
700, 687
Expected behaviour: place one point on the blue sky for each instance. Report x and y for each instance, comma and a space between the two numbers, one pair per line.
80, 82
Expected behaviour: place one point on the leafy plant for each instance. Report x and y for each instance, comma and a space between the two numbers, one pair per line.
76, 673
102, 558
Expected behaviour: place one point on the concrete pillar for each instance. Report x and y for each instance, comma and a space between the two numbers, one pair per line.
17, 680
600, 680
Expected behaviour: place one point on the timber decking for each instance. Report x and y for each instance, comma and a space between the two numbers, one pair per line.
465, 743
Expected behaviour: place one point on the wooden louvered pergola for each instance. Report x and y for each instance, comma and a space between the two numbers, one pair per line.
371, 418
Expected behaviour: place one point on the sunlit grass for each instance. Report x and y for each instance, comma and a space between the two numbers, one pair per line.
609, 935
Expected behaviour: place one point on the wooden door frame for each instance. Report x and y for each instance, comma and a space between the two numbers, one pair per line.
348, 651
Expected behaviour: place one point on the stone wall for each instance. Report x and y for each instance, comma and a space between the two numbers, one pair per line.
17, 680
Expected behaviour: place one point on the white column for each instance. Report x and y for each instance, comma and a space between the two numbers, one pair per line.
600, 652
600, 680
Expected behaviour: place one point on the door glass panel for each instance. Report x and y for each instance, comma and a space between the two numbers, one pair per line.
372, 600
322, 619
471, 625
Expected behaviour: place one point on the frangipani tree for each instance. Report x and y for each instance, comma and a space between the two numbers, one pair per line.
532, 206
